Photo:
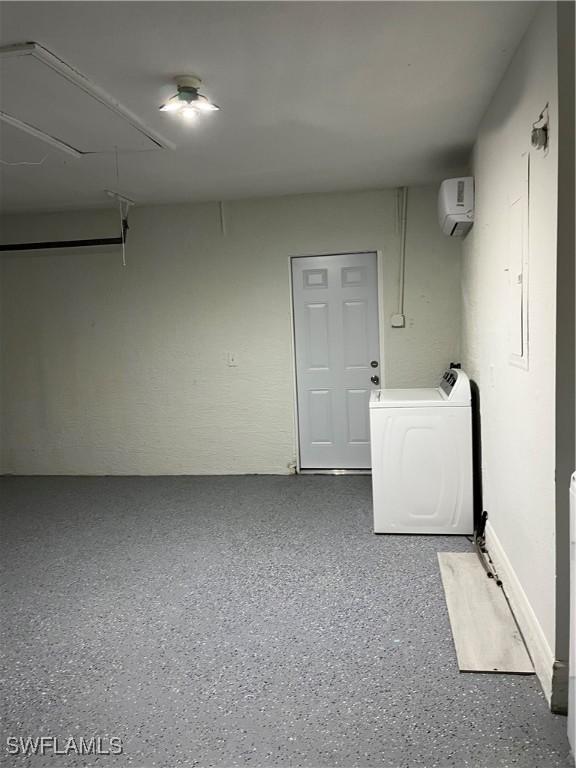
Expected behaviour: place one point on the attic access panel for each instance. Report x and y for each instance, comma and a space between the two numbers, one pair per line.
44, 93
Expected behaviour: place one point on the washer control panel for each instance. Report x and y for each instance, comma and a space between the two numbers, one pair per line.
455, 387
449, 379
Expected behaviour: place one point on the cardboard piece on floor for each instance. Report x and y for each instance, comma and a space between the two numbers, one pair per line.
483, 627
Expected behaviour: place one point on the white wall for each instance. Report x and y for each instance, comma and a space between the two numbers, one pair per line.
111, 370
565, 331
518, 413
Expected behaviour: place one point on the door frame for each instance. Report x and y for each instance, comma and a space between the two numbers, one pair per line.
381, 345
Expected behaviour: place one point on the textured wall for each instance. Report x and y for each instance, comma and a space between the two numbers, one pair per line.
112, 371
518, 428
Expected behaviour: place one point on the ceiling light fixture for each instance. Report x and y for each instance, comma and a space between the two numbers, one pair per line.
188, 102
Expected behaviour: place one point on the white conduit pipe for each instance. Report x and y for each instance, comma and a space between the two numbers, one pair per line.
403, 216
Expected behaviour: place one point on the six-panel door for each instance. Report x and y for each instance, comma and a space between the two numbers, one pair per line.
335, 301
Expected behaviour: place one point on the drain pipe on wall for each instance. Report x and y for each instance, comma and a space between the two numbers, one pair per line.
398, 320
223, 231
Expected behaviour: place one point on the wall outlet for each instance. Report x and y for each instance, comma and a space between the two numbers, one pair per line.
398, 321
231, 360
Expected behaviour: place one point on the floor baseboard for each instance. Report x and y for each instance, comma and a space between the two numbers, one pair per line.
538, 647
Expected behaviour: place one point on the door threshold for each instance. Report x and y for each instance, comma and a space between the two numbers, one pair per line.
334, 471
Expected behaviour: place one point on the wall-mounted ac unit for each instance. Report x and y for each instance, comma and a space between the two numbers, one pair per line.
456, 206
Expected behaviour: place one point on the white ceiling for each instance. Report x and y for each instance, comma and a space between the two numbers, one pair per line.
319, 96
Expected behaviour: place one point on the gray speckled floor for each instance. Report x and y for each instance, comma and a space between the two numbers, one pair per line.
243, 621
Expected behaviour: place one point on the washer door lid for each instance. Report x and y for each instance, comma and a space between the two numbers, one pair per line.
409, 398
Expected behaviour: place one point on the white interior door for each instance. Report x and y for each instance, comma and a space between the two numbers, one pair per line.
335, 302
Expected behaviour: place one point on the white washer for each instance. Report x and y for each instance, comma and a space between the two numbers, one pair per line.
422, 458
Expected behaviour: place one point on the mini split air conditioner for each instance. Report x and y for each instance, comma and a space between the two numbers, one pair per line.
456, 206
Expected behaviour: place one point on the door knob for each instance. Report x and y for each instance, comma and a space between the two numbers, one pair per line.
375, 379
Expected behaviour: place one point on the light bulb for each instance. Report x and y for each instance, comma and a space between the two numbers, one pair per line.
203, 105
172, 105
189, 113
